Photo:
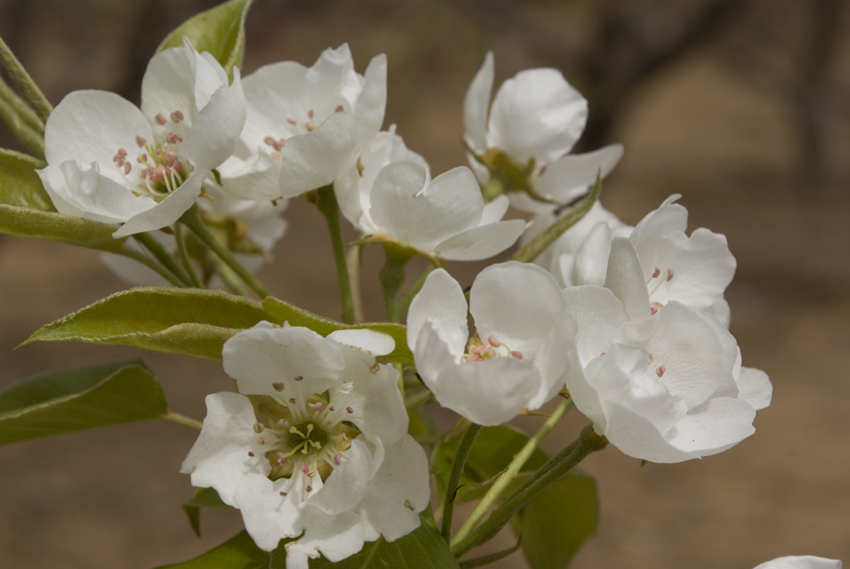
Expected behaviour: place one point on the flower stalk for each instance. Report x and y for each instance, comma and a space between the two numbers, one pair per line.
519, 460
158, 251
558, 466
182, 420
327, 204
21, 120
184, 256
192, 220
392, 275
463, 448
24, 82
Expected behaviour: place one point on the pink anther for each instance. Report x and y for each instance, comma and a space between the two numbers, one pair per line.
177, 116
338, 458
140, 141
669, 274
656, 272
660, 371
304, 468
160, 119
493, 342
517, 355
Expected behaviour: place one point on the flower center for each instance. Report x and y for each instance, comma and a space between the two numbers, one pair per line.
160, 167
478, 351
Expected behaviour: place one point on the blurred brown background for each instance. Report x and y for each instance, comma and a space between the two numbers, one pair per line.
739, 105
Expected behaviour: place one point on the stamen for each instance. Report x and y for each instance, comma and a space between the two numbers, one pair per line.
177, 116
660, 371
251, 454
283, 494
140, 141
292, 400
494, 342
304, 468
331, 408
653, 308
278, 386
310, 113
127, 168
172, 138
291, 121
299, 378
338, 109
160, 119
651, 357
656, 272
309, 488
338, 458
517, 355
282, 423
263, 441
669, 275
318, 406
259, 428
349, 410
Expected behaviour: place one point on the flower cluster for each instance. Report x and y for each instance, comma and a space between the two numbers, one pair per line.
631, 323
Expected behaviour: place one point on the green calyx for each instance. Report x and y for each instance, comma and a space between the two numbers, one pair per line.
507, 175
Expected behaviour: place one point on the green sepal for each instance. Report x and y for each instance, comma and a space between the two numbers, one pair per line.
204, 498
554, 525
84, 398
281, 311
423, 548
493, 451
187, 321
219, 30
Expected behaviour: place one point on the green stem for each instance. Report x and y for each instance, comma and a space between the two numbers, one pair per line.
24, 82
537, 245
184, 256
352, 261
488, 559
182, 420
463, 448
558, 466
417, 399
326, 202
192, 220
14, 113
230, 278
391, 277
414, 289
162, 256
153, 265
513, 470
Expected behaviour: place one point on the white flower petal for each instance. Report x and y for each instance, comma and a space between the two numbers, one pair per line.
716, 425
598, 316
517, 303
637, 437
372, 102
399, 491
274, 95
219, 458
569, 176
255, 179
669, 217
495, 210
262, 356
167, 84
556, 359
442, 301
755, 388
475, 104
537, 113
590, 264
625, 279
375, 343
168, 210
347, 483
332, 81
310, 161
801, 562
216, 129
335, 537
90, 126
481, 242
449, 205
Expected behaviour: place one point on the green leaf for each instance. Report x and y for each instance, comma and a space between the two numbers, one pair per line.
26, 222
556, 523
238, 552
424, 548
282, 312
20, 186
220, 31
85, 398
175, 320
493, 451
204, 498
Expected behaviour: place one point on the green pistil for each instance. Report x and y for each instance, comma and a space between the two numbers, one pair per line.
305, 438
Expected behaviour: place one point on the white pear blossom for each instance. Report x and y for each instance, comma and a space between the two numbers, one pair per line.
109, 161
664, 385
656, 260
305, 126
520, 354
252, 226
324, 454
524, 143
801, 562
443, 218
